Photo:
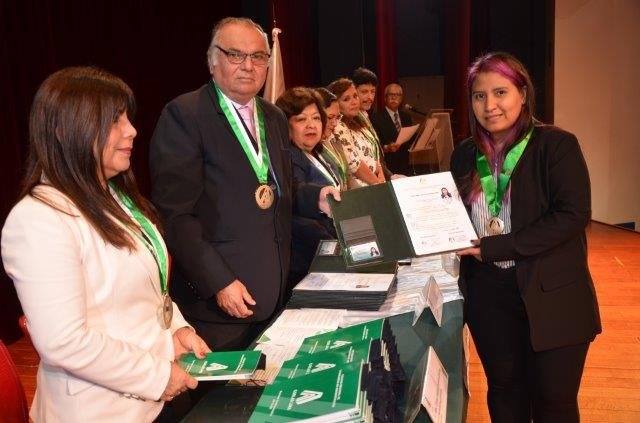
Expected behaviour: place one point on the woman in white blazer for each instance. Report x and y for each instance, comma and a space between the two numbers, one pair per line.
88, 263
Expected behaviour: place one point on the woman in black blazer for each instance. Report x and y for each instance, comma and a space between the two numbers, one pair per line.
305, 113
529, 299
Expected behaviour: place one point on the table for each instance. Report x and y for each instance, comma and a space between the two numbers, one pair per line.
234, 404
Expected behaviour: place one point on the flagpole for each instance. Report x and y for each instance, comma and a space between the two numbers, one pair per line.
274, 86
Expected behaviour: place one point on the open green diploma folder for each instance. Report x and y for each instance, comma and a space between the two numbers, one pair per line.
224, 365
407, 217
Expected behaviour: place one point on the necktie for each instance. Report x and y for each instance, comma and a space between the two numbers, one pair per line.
246, 112
396, 120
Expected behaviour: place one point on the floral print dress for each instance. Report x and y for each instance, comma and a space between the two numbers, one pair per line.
358, 146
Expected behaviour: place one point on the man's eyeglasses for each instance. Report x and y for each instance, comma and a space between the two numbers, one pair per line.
237, 57
394, 94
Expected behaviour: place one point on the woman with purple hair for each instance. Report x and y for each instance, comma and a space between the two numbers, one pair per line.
529, 299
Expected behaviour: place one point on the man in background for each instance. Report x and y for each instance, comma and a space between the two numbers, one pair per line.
387, 124
366, 83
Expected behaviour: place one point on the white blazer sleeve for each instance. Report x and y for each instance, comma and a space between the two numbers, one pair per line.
41, 250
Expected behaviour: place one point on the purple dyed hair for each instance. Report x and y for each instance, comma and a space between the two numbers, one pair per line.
511, 68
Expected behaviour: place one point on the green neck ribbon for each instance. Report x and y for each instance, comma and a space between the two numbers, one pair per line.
259, 161
152, 239
337, 161
494, 192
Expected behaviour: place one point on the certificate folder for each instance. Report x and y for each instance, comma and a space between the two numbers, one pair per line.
407, 217
336, 264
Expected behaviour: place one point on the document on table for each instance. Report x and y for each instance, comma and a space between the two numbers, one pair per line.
276, 355
434, 214
435, 388
405, 134
293, 325
346, 282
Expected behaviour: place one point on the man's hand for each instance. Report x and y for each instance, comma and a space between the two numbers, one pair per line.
323, 204
391, 148
186, 340
233, 299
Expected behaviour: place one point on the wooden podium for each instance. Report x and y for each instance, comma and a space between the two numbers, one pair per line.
433, 147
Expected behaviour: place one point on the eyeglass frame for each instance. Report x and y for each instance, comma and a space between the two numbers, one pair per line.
244, 56
394, 94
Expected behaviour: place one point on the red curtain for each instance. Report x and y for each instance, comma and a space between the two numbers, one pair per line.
457, 30
385, 46
297, 41
158, 48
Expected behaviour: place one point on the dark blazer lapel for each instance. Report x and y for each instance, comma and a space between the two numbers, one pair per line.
218, 110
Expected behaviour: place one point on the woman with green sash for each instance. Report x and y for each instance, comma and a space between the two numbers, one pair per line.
89, 264
529, 299
331, 145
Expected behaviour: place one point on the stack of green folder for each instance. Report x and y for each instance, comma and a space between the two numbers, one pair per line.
349, 375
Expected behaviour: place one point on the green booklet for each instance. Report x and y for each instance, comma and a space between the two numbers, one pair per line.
357, 352
341, 337
333, 395
223, 365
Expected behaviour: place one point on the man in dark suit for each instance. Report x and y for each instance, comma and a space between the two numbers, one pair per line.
387, 124
221, 179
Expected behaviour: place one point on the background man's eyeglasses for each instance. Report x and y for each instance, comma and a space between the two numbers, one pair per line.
238, 57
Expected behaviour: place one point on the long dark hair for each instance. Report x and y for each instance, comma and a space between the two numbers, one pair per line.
338, 87
511, 68
71, 118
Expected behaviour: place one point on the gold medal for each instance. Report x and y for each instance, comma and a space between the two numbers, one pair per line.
167, 311
495, 226
264, 196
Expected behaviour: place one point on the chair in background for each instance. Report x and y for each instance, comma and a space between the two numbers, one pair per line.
13, 402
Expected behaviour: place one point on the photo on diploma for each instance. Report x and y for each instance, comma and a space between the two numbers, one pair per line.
364, 252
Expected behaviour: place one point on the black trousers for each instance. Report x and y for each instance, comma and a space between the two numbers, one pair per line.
522, 384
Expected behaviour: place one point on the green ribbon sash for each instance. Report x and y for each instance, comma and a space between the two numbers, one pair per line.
259, 161
152, 239
337, 161
494, 192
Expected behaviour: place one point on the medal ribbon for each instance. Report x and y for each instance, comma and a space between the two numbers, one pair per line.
494, 192
338, 162
370, 134
156, 247
324, 169
372, 140
260, 161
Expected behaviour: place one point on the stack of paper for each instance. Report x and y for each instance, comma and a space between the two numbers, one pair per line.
354, 291
282, 339
351, 374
